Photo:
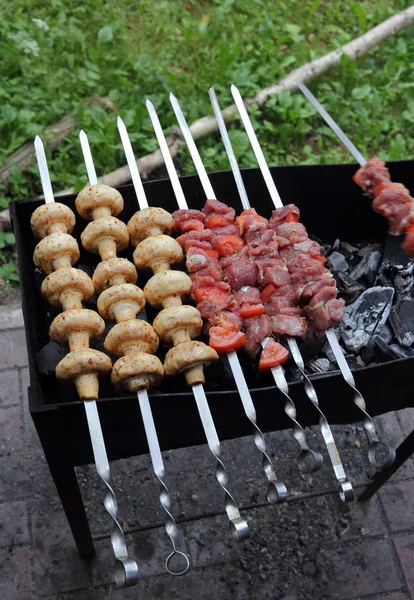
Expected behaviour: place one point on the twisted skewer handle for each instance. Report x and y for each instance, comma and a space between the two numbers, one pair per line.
165, 496
380, 454
346, 492
276, 490
239, 527
126, 569
308, 460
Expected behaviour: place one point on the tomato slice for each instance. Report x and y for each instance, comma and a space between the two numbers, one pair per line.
321, 259
228, 244
410, 228
212, 294
212, 253
267, 292
191, 225
225, 340
248, 213
273, 354
251, 310
217, 221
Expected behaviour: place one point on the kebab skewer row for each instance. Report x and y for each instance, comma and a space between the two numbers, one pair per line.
69, 288
132, 340
380, 454
157, 221
276, 490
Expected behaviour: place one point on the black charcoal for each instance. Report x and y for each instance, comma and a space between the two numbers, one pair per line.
402, 322
320, 365
367, 267
368, 249
366, 317
382, 351
399, 351
337, 262
48, 357
348, 288
347, 249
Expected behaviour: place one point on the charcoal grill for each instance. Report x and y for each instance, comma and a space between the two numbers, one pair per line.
59, 416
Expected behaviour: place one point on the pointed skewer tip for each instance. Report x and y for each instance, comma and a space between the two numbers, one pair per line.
119, 120
148, 103
172, 97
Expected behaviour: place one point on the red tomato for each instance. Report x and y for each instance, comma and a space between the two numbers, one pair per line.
292, 218
321, 259
212, 253
251, 310
191, 225
267, 292
212, 294
225, 340
410, 228
217, 221
228, 244
273, 354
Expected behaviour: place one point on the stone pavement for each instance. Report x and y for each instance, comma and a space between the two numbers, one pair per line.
311, 547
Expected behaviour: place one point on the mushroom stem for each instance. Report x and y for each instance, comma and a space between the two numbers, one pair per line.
71, 300
87, 386
107, 248
78, 340
57, 228
118, 279
160, 266
173, 300
195, 375
62, 262
125, 311
180, 336
101, 212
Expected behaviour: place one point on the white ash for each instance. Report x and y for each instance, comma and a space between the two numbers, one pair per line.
337, 262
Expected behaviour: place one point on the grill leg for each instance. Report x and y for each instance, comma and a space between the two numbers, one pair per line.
58, 456
403, 452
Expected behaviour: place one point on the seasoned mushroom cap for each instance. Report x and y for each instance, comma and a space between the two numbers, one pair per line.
148, 222
187, 356
169, 284
52, 217
103, 229
56, 251
113, 272
81, 321
157, 252
128, 336
65, 285
98, 200
178, 324
121, 302
137, 370
84, 366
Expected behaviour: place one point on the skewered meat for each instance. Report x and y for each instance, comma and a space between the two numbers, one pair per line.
391, 200
131, 340
68, 287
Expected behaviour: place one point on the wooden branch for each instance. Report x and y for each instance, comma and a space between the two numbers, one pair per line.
53, 136
207, 125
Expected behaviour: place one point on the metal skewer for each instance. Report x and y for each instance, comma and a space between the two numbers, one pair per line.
346, 491
277, 491
307, 460
147, 418
126, 569
239, 527
380, 454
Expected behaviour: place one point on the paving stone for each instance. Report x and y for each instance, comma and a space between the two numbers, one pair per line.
15, 479
356, 519
360, 569
13, 346
11, 429
9, 388
397, 500
15, 582
405, 550
389, 429
406, 420
30, 433
97, 593
13, 524
209, 541
57, 566
392, 596
11, 317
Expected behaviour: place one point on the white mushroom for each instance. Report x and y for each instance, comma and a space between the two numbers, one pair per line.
165, 289
68, 288
53, 217
84, 366
121, 302
178, 324
79, 328
137, 370
130, 336
148, 222
113, 272
56, 251
157, 253
190, 358
97, 201
105, 237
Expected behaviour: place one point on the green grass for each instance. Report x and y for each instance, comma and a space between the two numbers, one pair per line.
128, 50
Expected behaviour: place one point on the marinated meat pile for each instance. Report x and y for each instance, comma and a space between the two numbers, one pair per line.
391, 200
263, 277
